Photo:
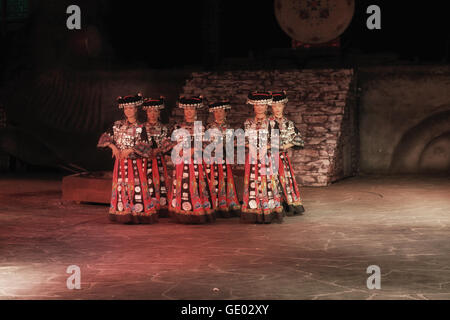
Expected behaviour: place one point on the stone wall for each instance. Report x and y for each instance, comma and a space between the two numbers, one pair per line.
321, 103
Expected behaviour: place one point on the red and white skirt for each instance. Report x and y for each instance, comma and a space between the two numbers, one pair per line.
221, 181
190, 199
157, 180
261, 199
289, 188
130, 198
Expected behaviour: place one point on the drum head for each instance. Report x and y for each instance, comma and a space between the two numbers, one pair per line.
314, 21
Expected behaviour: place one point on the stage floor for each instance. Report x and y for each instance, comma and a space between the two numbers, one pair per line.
401, 224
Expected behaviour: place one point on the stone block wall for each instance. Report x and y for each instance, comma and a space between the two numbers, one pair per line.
322, 103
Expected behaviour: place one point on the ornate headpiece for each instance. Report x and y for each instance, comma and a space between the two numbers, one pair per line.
150, 103
196, 102
130, 101
223, 104
257, 97
279, 97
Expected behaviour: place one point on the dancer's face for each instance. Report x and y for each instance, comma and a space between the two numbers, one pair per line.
189, 114
260, 110
219, 115
130, 112
277, 109
152, 115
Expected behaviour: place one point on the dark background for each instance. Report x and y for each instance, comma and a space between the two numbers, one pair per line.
173, 34
413, 30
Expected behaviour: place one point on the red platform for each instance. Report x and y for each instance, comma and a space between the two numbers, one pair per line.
88, 187
96, 186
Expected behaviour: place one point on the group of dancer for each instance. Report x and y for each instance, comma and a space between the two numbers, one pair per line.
201, 189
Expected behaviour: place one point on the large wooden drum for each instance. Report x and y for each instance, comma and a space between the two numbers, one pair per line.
314, 21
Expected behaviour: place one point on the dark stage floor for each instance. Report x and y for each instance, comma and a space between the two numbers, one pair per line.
400, 224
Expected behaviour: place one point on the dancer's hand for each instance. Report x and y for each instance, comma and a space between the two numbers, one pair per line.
125, 153
115, 151
156, 151
169, 162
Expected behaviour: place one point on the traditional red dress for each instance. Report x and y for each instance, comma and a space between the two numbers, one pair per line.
220, 176
190, 200
155, 167
289, 134
130, 198
261, 199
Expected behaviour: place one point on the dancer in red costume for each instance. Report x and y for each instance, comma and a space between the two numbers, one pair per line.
220, 175
191, 197
155, 167
261, 200
127, 138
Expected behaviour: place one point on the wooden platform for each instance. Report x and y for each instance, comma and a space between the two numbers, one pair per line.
96, 186
88, 187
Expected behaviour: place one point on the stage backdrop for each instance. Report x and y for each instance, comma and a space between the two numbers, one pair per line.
405, 119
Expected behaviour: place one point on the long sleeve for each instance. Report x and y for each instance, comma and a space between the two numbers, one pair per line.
143, 146
106, 138
297, 139
164, 135
166, 143
247, 128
